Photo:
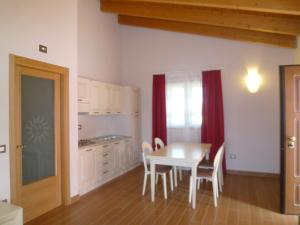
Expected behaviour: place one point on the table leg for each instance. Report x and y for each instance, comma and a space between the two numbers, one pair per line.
175, 175
194, 174
152, 171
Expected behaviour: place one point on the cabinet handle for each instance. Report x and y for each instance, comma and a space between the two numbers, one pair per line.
88, 150
108, 112
105, 146
105, 172
97, 112
80, 100
117, 143
106, 163
104, 155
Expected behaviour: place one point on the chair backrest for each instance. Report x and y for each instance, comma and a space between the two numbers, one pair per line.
147, 149
218, 158
158, 143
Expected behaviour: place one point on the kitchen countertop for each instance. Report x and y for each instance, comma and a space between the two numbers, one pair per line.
104, 140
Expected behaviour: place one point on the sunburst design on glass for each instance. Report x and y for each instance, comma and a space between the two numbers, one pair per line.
37, 130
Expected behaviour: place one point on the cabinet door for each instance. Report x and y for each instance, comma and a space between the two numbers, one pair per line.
95, 107
83, 89
100, 98
135, 101
87, 174
106, 98
98, 165
118, 157
117, 101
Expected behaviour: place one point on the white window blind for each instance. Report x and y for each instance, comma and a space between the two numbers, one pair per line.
184, 107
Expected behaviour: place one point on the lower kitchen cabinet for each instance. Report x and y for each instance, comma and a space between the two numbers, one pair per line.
100, 164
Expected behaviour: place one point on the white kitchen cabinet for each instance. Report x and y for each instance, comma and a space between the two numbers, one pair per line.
117, 99
100, 98
10, 214
102, 163
131, 104
135, 95
83, 97
87, 174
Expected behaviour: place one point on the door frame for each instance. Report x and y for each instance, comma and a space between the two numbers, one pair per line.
65, 150
282, 135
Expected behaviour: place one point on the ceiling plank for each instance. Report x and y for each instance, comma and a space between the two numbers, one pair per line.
266, 22
214, 31
290, 7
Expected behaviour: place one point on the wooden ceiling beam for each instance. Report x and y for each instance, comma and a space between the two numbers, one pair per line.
214, 31
289, 7
266, 22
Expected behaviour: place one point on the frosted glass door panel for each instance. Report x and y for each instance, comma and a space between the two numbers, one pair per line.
38, 137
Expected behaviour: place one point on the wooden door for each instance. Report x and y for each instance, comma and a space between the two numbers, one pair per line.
38, 140
290, 136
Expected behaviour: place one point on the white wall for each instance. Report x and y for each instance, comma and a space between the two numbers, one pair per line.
98, 43
96, 126
99, 58
24, 25
251, 120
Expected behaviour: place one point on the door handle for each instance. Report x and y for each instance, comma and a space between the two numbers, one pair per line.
21, 147
291, 142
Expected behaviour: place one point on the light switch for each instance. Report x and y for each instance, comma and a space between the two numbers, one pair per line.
43, 48
2, 148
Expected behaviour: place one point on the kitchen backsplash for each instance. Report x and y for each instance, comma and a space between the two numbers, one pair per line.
95, 126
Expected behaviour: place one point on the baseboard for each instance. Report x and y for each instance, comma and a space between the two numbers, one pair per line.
253, 174
75, 199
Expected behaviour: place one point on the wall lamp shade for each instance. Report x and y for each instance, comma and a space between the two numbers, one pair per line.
253, 80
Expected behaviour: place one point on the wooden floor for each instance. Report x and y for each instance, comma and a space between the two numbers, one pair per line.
245, 201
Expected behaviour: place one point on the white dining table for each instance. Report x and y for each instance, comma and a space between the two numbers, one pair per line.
179, 154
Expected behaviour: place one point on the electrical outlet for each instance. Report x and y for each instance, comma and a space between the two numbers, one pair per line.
232, 156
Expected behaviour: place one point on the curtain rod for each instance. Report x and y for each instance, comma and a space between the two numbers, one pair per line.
190, 71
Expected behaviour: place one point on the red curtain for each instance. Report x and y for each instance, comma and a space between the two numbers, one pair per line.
212, 129
159, 112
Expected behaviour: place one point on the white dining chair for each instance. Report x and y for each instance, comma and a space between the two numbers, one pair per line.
208, 164
160, 170
209, 175
160, 144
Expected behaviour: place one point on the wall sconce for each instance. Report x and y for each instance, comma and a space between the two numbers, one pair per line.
253, 80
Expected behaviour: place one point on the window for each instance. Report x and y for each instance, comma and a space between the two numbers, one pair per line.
184, 101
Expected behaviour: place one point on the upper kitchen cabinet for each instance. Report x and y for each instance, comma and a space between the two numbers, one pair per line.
117, 99
100, 98
132, 101
83, 89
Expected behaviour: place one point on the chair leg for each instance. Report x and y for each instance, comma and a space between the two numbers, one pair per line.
175, 175
156, 178
145, 183
222, 177
180, 174
214, 184
171, 180
190, 191
219, 175
164, 176
198, 183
